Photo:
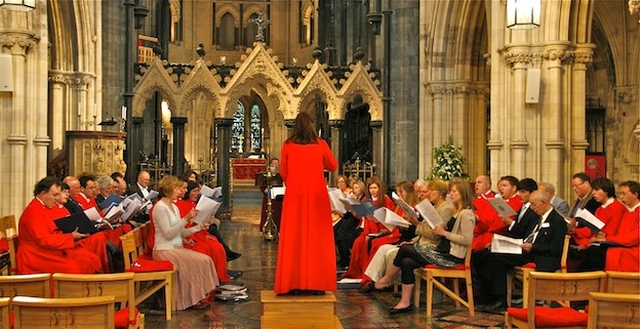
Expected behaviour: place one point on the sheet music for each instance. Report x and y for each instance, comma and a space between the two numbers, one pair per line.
206, 208
501, 244
211, 192
408, 210
277, 191
590, 220
93, 214
501, 207
334, 198
389, 219
429, 213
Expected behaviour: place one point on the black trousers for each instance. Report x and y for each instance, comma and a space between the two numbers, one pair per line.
408, 260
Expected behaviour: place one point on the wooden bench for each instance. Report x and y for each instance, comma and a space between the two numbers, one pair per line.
88, 312
146, 283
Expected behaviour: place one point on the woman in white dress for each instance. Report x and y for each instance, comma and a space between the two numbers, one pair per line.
196, 273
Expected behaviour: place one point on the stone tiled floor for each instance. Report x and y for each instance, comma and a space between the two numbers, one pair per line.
355, 310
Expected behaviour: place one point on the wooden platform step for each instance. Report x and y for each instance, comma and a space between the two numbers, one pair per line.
314, 311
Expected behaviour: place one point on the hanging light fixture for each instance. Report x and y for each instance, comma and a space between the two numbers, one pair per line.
22, 5
523, 14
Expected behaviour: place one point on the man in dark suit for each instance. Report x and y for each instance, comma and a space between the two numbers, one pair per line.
141, 187
581, 185
543, 246
519, 228
74, 189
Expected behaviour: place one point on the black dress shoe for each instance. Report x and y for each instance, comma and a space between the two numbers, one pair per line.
393, 310
498, 307
368, 288
233, 256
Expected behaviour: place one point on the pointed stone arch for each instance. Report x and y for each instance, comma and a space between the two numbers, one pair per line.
317, 81
155, 78
230, 9
359, 82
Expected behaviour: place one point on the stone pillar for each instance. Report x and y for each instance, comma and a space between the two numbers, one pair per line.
376, 127
439, 136
289, 124
178, 144
583, 55
553, 132
223, 128
134, 148
519, 58
336, 137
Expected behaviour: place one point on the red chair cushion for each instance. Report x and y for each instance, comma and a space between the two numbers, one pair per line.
4, 245
122, 318
529, 265
145, 265
547, 317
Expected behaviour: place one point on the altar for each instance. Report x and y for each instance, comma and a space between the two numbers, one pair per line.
245, 170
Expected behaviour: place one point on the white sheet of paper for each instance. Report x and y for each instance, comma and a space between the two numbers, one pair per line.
429, 213
206, 208
501, 244
389, 219
93, 214
591, 218
501, 207
334, 198
408, 210
276, 191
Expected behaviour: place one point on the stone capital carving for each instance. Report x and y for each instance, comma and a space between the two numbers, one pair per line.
337, 124
583, 56
289, 123
180, 121
19, 42
437, 89
555, 54
59, 78
513, 56
223, 122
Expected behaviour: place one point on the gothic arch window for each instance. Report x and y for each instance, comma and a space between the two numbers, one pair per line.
226, 33
306, 23
246, 123
175, 7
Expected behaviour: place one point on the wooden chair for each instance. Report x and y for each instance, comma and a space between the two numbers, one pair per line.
13, 248
32, 285
146, 283
554, 287
7, 229
118, 285
429, 273
77, 313
5, 322
620, 311
623, 282
521, 273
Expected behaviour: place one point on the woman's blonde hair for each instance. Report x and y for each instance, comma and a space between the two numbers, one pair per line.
412, 197
440, 186
167, 184
363, 188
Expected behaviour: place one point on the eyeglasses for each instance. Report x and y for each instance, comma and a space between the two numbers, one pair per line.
576, 185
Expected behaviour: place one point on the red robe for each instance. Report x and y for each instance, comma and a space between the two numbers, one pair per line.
611, 216
628, 234
95, 243
43, 249
360, 252
306, 254
206, 243
484, 212
492, 223
112, 236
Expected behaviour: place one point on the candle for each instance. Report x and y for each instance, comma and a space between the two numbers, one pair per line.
124, 112
95, 110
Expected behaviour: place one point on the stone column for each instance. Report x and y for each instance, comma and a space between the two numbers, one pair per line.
376, 127
178, 144
554, 164
437, 92
519, 58
582, 56
289, 124
57, 84
223, 128
336, 138
134, 148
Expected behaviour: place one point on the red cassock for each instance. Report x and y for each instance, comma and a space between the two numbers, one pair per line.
491, 223
306, 254
610, 216
362, 250
96, 243
43, 249
625, 259
112, 236
206, 243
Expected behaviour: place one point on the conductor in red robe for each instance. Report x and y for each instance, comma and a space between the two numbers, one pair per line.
306, 255
44, 249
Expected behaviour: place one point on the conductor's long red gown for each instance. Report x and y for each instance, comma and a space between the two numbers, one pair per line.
306, 254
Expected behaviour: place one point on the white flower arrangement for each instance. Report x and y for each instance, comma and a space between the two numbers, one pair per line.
448, 162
